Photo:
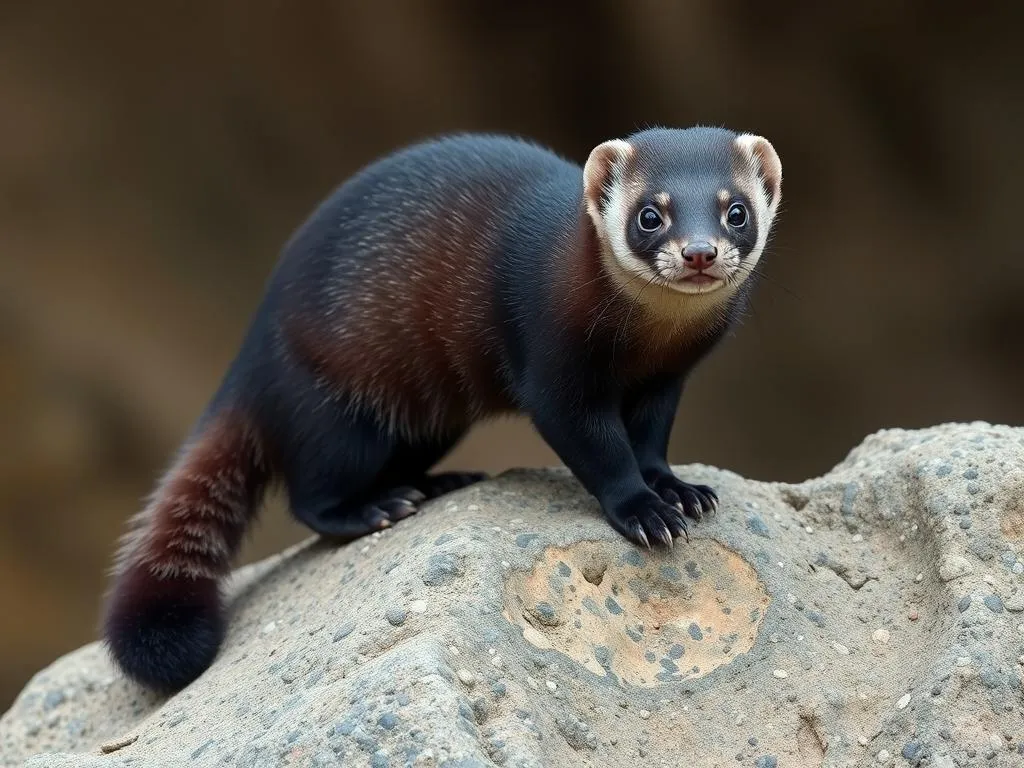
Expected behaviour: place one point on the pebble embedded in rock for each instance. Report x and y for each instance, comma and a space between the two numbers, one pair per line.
954, 567
396, 615
780, 674
545, 612
344, 630
903, 702
468, 678
418, 606
815, 618
767, 761
994, 603
523, 540
757, 525
883, 756
671, 573
633, 557
880, 635
442, 568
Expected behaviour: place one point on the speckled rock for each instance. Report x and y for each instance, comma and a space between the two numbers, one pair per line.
855, 619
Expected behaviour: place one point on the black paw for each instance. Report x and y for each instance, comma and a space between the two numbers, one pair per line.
397, 504
646, 519
694, 500
433, 486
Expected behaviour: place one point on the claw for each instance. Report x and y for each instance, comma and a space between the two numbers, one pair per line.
415, 496
678, 525
638, 532
664, 535
710, 496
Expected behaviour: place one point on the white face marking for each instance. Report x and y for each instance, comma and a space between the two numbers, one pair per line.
659, 284
762, 184
604, 173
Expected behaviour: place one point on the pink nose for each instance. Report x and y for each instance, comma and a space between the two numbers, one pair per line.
699, 255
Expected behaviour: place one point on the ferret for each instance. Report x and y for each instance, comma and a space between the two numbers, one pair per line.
458, 278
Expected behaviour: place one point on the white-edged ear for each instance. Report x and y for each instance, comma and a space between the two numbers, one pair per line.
768, 165
600, 172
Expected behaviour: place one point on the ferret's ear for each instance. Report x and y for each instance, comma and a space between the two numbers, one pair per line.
600, 172
767, 165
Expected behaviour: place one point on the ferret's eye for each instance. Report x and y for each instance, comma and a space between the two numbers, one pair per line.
737, 216
648, 219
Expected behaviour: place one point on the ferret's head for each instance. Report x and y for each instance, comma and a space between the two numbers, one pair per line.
689, 210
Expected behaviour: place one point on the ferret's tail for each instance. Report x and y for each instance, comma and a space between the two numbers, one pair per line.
163, 621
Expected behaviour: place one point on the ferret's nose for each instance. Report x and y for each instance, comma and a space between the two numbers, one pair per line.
699, 255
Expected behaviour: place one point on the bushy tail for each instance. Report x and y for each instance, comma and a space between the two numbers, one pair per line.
163, 620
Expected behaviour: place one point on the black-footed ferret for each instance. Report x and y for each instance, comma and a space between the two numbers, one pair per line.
455, 279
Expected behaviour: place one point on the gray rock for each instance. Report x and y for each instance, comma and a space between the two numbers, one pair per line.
587, 651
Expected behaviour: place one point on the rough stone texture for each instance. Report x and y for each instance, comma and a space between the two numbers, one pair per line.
852, 619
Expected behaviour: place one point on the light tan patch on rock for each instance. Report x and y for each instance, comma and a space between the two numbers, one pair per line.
1011, 522
647, 618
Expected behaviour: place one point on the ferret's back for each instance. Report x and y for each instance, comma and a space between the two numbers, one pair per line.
387, 289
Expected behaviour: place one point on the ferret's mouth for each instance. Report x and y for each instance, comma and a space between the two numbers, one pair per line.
700, 278
695, 281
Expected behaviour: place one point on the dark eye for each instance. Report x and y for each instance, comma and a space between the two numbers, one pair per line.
737, 215
648, 219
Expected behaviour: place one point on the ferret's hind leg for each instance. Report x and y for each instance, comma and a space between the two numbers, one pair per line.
359, 477
332, 473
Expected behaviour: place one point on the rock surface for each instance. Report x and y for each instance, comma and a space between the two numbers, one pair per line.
872, 616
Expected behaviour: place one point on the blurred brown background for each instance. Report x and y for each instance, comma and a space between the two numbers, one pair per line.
154, 157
